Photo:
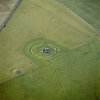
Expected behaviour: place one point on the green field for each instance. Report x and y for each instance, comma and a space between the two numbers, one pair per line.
70, 71
89, 10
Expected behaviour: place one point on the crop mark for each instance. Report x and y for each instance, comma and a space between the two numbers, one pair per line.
53, 78
57, 80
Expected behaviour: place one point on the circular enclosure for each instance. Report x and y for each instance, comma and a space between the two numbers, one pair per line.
43, 49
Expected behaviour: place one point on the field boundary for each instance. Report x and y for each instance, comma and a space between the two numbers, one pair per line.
9, 16
93, 28
6, 80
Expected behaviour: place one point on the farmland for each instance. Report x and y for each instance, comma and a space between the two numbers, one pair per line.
48, 53
87, 9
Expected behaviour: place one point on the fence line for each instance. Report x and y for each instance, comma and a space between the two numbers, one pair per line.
6, 20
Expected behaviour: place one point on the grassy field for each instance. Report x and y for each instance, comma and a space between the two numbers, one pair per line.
71, 75
87, 9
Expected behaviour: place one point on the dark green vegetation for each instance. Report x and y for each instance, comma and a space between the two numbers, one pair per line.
89, 10
72, 74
